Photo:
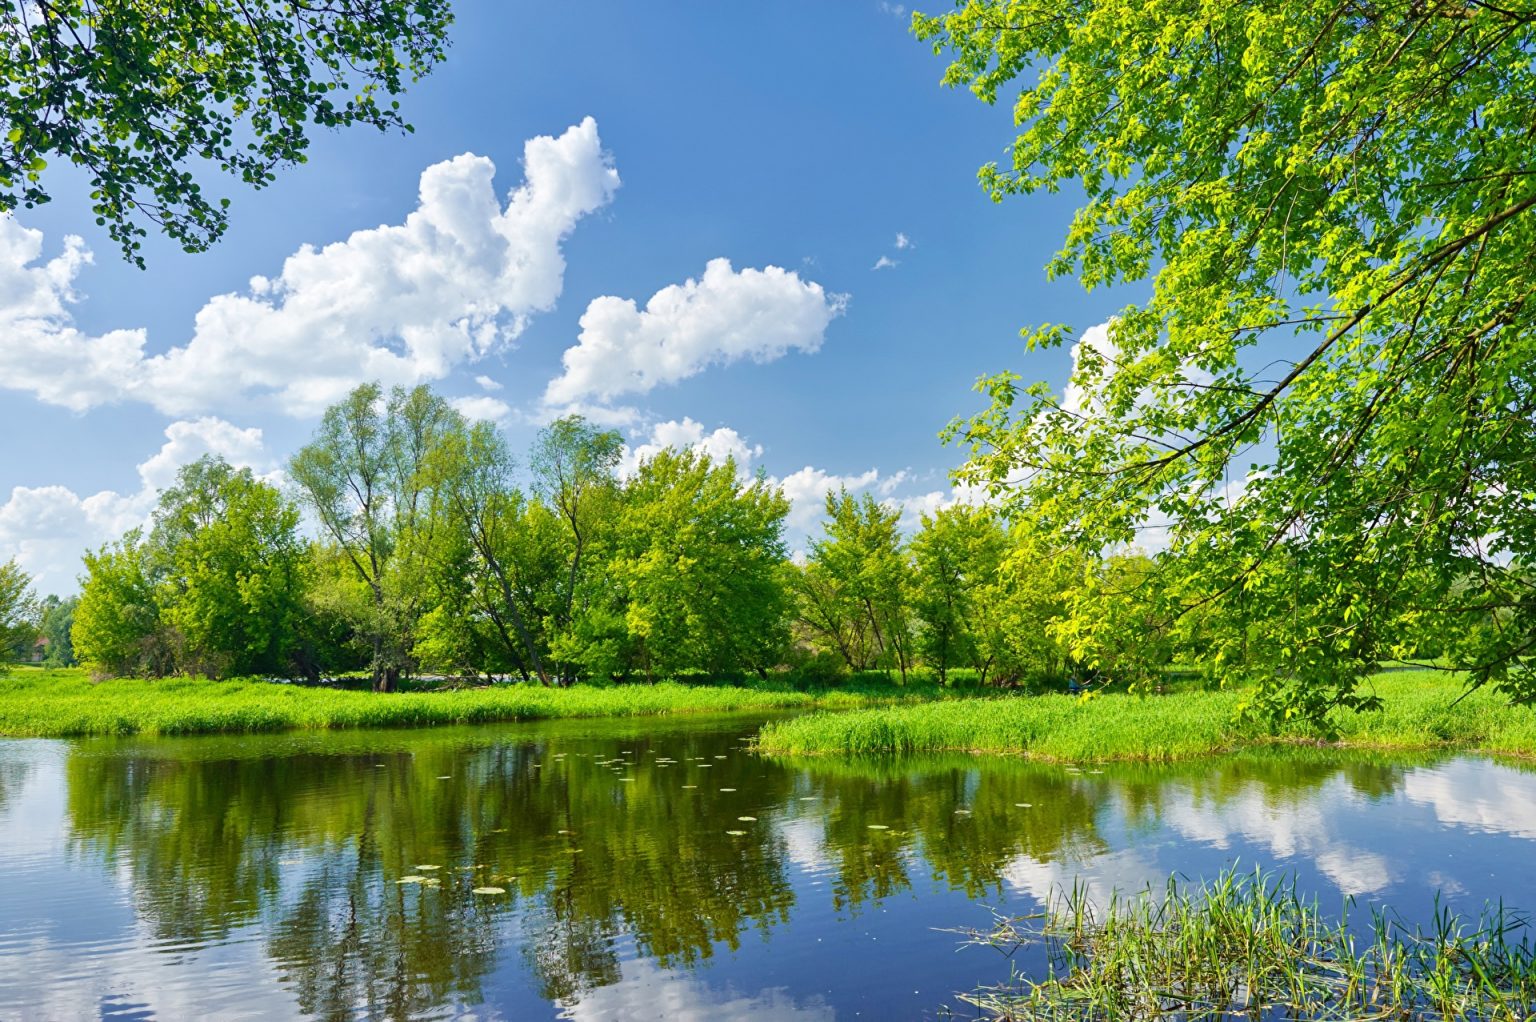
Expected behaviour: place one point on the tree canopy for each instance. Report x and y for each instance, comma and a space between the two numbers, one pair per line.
142, 96
1327, 394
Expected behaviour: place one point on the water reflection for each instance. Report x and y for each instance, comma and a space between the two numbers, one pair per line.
649, 869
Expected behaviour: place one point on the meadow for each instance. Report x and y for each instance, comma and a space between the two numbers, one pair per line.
64, 703
1421, 711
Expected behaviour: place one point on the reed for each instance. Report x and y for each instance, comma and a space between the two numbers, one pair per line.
1247, 945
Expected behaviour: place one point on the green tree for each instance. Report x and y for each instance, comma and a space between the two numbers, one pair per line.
56, 617
1020, 611
1335, 206
17, 610
230, 577
141, 96
117, 627
488, 609
575, 466
700, 556
956, 555
853, 591
366, 477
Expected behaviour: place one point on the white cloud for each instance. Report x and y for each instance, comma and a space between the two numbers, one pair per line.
902, 241
894, 10
884, 263
723, 317
687, 434
807, 491
481, 406
401, 303
486, 383
47, 528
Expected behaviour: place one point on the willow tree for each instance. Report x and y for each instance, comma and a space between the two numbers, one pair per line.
140, 97
1328, 392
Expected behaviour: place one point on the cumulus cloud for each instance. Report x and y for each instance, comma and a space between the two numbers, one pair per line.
902, 241
688, 434
402, 303
723, 317
807, 491
884, 263
47, 528
486, 383
481, 406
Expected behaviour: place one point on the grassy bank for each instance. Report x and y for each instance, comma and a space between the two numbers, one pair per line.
1418, 715
66, 703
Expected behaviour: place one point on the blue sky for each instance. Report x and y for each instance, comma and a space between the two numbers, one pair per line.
796, 140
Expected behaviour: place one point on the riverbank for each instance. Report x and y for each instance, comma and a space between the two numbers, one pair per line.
66, 704
1420, 713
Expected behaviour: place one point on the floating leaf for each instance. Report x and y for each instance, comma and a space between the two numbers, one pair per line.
747, 819
878, 826
410, 880
1024, 805
490, 890
737, 833
727, 789
428, 867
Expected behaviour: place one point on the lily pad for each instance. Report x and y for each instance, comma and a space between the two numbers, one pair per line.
727, 789
737, 833
878, 826
410, 880
426, 868
747, 819
1024, 805
490, 890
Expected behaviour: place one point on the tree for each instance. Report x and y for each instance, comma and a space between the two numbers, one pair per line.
575, 467
853, 591
366, 477
230, 576
699, 557
132, 94
117, 627
1336, 208
487, 597
55, 619
956, 554
17, 610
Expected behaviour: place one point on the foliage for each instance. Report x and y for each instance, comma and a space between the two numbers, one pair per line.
700, 561
366, 476
17, 607
141, 96
217, 587
1328, 393
955, 555
55, 619
117, 627
854, 589
230, 571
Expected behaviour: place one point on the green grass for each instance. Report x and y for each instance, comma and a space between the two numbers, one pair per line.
1418, 714
66, 703
1248, 946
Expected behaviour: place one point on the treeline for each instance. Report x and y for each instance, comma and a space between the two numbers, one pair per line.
434, 550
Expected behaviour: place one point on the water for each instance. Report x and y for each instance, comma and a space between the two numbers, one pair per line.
258, 877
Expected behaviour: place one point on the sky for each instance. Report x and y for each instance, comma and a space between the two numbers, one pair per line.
751, 228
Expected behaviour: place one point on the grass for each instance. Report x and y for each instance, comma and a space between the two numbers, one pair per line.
65, 703
1247, 946
1419, 715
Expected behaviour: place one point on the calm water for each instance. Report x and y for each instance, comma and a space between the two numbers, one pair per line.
258, 877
